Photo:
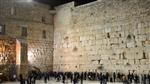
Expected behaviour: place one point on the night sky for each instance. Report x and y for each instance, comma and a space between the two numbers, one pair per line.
59, 2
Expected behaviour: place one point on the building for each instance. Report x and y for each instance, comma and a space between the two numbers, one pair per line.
30, 26
104, 35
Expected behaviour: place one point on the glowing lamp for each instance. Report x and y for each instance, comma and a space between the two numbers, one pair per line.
29, 0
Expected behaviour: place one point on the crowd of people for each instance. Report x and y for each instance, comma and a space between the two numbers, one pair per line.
79, 77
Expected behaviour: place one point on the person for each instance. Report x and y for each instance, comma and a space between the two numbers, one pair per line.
118, 76
21, 79
114, 77
63, 78
130, 77
136, 79
144, 79
74, 80
140, 78
85, 75
71, 77
28, 79
148, 76
45, 78
82, 78
125, 80
14, 77
100, 78
107, 76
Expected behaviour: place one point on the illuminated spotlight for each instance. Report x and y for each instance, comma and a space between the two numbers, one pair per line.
30, 56
29, 0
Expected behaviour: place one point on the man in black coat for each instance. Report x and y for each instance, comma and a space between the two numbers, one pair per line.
29, 79
148, 76
82, 78
75, 80
63, 78
21, 79
100, 78
45, 77
107, 76
114, 77
71, 77
144, 79
136, 78
130, 77
85, 75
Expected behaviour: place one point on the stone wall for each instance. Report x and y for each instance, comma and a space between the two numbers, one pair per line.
7, 56
7, 51
63, 60
40, 50
19, 14
106, 35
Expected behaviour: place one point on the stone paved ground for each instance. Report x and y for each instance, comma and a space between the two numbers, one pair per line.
54, 82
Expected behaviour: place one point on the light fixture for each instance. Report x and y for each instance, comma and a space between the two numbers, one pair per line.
29, 0
24, 1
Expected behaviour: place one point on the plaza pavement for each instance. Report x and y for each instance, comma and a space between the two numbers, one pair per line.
54, 82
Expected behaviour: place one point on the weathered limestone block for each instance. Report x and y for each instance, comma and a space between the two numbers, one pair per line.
108, 29
144, 62
119, 62
142, 37
131, 44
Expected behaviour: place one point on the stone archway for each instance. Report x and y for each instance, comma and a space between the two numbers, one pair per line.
21, 57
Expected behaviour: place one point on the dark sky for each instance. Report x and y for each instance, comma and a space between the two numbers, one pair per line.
59, 2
